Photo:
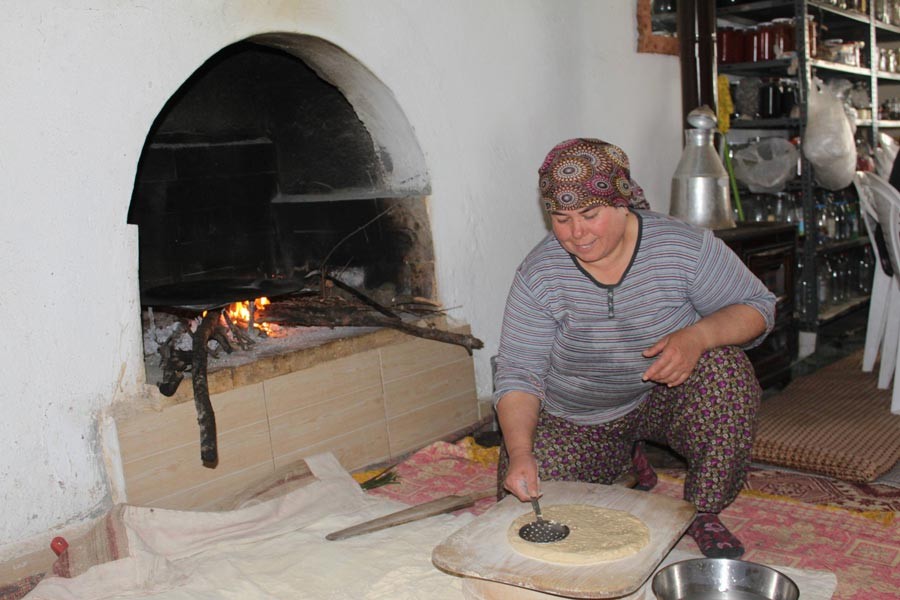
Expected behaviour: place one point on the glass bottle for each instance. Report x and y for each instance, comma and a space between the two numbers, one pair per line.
800, 290
830, 219
823, 284
822, 236
835, 287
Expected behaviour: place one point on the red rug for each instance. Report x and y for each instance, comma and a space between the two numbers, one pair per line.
444, 469
877, 501
863, 552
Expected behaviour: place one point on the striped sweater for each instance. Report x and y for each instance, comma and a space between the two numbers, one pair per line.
576, 344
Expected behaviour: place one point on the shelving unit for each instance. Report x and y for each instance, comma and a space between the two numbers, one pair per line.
847, 25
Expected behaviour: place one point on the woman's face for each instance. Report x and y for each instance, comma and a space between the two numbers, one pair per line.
591, 234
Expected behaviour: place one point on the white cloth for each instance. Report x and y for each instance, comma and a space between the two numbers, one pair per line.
277, 550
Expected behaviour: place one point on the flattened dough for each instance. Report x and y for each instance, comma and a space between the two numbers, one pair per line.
596, 535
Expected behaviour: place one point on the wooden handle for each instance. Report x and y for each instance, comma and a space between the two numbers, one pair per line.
407, 515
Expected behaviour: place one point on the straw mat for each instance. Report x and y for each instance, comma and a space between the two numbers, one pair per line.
834, 422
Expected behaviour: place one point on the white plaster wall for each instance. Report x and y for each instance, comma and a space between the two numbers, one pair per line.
488, 86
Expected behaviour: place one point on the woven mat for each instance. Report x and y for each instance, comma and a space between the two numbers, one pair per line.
834, 422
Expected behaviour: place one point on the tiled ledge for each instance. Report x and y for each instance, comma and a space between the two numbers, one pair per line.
275, 362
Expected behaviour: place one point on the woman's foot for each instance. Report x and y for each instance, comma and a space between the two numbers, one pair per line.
713, 537
646, 476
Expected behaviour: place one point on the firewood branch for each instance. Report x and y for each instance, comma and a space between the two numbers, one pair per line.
206, 418
336, 312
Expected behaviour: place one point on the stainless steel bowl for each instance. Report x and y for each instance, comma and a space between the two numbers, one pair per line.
722, 579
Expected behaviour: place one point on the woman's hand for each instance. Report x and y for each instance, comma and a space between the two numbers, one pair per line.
522, 476
678, 354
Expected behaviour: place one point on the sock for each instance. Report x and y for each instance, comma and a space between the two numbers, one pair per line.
645, 474
713, 537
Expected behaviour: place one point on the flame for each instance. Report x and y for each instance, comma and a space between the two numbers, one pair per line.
239, 312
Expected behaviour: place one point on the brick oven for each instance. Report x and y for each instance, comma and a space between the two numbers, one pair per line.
279, 158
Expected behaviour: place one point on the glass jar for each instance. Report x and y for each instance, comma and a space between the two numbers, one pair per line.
765, 34
731, 45
812, 35
782, 36
746, 98
769, 99
751, 44
882, 11
789, 95
830, 49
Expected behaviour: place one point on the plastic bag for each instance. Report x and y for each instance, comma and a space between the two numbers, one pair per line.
828, 142
766, 166
885, 154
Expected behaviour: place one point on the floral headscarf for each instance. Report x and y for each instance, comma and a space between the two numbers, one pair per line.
587, 172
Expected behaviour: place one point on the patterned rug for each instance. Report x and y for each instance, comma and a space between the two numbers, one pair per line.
863, 552
442, 469
833, 422
874, 500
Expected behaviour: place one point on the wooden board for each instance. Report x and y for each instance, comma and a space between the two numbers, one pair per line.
481, 550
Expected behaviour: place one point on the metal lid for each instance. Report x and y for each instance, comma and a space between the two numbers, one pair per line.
702, 117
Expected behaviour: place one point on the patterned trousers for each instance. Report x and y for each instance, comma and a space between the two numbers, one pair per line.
708, 420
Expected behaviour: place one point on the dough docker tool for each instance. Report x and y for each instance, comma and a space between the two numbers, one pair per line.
541, 531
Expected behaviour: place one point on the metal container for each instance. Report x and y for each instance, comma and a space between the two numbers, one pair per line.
700, 193
722, 579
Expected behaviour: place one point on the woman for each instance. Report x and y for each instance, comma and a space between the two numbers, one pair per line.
622, 325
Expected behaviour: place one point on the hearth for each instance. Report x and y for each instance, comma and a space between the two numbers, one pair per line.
261, 181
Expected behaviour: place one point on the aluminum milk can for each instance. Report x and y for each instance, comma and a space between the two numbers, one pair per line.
700, 192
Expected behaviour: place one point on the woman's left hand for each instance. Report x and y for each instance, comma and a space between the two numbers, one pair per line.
677, 354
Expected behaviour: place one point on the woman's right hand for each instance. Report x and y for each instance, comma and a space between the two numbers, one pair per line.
522, 476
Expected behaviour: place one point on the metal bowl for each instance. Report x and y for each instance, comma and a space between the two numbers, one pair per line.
722, 579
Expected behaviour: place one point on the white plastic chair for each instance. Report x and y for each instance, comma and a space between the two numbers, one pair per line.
878, 302
884, 203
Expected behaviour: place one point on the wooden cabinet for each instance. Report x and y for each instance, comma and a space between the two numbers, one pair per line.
770, 251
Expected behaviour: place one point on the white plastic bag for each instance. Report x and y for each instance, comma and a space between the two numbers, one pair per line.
828, 142
766, 166
885, 154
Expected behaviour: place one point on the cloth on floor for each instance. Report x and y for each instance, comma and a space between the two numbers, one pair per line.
442, 469
274, 549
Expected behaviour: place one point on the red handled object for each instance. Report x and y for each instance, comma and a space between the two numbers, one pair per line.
59, 545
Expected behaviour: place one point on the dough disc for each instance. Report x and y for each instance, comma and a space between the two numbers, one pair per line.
597, 535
